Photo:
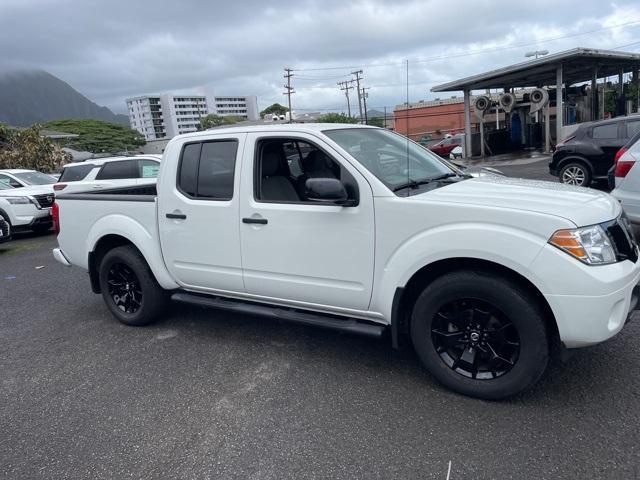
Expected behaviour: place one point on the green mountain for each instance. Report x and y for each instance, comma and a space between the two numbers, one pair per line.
30, 97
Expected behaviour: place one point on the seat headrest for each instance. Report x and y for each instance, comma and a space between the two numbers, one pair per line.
271, 160
316, 164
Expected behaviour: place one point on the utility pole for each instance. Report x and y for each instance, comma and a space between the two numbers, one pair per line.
289, 89
364, 101
357, 73
346, 86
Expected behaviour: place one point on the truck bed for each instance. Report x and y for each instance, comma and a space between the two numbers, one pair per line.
85, 217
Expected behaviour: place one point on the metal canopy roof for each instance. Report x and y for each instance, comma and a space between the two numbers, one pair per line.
577, 64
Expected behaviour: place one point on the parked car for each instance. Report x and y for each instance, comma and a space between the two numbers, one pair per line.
445, 146
111, 172
626, 178
18, 178
26, 208
363, 233
588, 153
5, 231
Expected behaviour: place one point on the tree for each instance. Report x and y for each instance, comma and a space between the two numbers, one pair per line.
230, 120
211, 121
336, 118
97, 136
275, 108
376, 122
28, 149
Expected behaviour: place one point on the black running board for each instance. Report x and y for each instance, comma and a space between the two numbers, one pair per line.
349, 325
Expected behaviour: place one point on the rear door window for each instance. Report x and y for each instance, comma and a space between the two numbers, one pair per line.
207, 169
118, 170
607, 131
148, 168
633, 127
75, 174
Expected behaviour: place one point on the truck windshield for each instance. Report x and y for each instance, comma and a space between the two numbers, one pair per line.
396, 162
35, 178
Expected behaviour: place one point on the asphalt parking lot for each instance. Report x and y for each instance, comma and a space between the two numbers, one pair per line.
205, 394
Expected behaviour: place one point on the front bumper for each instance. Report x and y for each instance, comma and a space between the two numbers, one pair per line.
590, 303
27, 216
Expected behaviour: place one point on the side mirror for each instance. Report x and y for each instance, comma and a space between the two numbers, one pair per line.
329, 191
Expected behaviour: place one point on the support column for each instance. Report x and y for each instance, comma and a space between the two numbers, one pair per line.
559, 107
482, 153
467, 123
594, 94
547, 128
620, 82
636, 81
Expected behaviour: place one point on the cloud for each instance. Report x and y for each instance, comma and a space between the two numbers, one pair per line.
114, 49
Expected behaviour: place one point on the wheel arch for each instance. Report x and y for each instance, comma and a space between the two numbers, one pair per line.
107, 243
575, 158
405, 297
5, 215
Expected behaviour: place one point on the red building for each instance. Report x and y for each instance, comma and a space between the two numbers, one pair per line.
435, 118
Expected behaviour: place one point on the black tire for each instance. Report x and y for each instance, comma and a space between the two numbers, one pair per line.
507, 304
142, 301
5, 217
575, 173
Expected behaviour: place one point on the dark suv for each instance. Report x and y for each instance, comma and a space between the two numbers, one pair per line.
588, 153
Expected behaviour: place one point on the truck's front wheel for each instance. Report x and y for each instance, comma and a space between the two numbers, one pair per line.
129, 288
480, 334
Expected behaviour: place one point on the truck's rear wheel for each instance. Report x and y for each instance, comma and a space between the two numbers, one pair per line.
480, 334
129, 288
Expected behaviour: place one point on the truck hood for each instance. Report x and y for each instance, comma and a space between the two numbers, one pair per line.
582, 206
26, 191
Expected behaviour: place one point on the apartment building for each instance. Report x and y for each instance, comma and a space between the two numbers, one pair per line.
145, 116
243, 107
168, 115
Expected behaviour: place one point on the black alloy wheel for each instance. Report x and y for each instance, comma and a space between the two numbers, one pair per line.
475, 339
124, 288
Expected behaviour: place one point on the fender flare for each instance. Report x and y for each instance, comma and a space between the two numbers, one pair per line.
139, 236
457, 241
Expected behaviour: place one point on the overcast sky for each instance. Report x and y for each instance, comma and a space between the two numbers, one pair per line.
114, 49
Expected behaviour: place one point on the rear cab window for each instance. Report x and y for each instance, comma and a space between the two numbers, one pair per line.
75, 173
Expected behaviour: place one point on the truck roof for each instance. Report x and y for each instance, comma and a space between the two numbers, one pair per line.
102, 160
278, 127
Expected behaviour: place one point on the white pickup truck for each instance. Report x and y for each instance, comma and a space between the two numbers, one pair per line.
358, 229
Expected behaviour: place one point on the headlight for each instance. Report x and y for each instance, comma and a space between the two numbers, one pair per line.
590, 245
17, 200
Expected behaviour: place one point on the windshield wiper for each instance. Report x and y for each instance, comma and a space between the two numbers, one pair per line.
416, 183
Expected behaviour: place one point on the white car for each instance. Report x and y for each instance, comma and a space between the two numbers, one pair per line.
364, 232
105, 173
627, 178
27, 208
18, 178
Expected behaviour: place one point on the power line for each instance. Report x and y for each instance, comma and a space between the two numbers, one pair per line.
346, 86
289, 91
357, 73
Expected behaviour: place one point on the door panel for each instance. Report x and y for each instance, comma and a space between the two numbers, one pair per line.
200, 237
609, 137
312, 253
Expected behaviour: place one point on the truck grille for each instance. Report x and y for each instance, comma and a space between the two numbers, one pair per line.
45, 201
623, 239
